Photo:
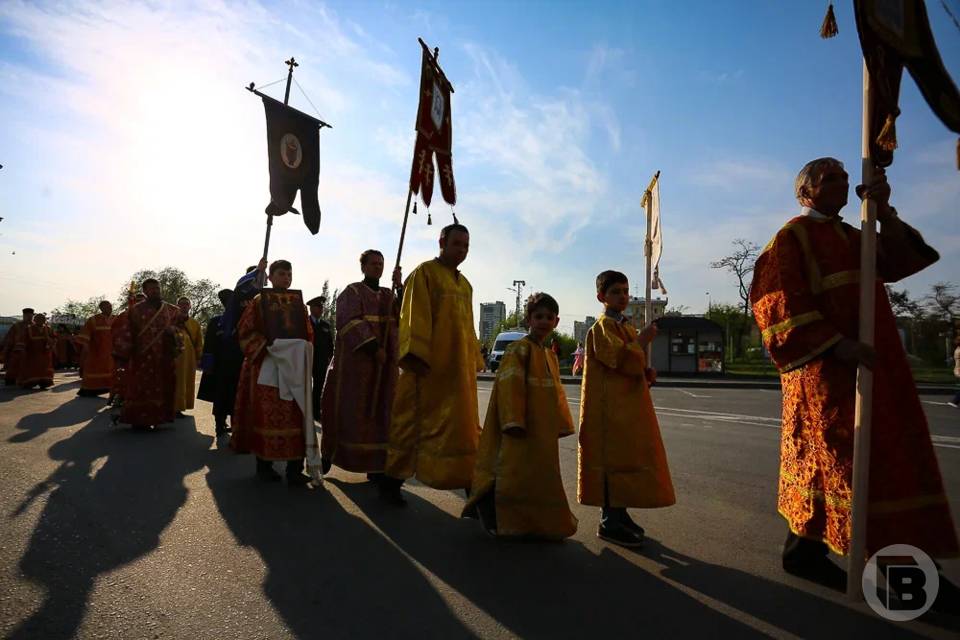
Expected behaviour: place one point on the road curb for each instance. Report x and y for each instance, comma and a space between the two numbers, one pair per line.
726, 383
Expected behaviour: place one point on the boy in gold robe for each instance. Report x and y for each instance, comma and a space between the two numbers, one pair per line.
191, 335
435, 425
517, 487
622, 462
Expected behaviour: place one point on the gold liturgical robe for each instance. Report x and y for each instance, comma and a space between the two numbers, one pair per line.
620, 444
435, 427
519, 456
192, 336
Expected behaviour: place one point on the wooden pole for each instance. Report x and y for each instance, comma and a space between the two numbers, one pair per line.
292, 62
863, 415
403, 229
648, 252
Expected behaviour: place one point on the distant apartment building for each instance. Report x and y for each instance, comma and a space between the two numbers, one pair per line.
636, 311
580, 328
491, 315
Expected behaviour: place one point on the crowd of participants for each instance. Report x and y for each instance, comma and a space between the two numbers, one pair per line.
395, 394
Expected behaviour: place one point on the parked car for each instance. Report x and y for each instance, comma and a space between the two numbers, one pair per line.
500, 345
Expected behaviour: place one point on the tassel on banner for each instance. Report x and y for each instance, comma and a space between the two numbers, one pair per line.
414, 207
829, 27
429, 220
455, 221
887, 138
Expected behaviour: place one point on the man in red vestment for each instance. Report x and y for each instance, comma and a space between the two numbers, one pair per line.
96, 340
805, 300
147, 342
263, 423
36, 344
11, 354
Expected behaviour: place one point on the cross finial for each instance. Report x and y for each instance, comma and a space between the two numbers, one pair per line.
292, 62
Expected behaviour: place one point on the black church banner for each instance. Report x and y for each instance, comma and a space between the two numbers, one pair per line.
434, 134
894, 34
293, 146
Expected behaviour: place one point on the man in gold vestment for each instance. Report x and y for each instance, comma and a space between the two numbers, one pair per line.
435, 424
191, 336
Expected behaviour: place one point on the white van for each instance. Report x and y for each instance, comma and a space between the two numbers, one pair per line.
500, 345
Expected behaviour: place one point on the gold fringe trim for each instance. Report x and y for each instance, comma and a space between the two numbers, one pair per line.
887, 139
829, 27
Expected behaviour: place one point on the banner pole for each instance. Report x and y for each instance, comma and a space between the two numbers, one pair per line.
863, 410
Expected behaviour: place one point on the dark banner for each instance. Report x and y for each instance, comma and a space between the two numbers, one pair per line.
434, 135
293, 147
895, 34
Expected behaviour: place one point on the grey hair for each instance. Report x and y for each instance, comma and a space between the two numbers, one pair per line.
811, 171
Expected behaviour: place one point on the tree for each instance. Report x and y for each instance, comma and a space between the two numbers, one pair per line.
740, 263
943, 301
507, 324
910, 313
175, 284
78, 309
678, 310
735, 324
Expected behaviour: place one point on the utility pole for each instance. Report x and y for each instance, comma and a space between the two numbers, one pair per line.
519, 284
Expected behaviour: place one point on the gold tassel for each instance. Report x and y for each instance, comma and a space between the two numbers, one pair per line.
829, 27
414, 207
887, 139
455, 221
429, 219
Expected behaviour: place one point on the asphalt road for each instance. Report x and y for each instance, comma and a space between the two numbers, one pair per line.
115, 534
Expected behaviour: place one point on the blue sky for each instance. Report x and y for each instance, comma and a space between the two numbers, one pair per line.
129, 143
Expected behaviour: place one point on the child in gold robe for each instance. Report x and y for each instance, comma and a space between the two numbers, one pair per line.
622, 462
517, 488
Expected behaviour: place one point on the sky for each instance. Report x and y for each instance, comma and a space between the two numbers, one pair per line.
128, 142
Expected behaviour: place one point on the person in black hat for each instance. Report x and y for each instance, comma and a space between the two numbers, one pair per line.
12, 355
322, 349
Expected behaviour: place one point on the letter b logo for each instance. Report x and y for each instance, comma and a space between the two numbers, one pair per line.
910, 578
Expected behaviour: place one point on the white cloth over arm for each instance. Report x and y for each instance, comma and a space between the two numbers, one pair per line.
288, 366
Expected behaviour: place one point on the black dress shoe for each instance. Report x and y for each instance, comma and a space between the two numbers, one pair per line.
630, 524
298, 480
325, 465
268, 475
375, 478
620, 534
818, 569
391, 494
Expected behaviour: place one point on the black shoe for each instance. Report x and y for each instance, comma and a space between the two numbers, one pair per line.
375, 478
818, 569
391, 494
181, 415
268, 474
298, 480
325, 465
620, 534
630, 524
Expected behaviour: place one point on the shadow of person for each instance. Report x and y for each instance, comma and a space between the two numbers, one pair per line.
798, 612
66, 385
114, 493
329, 573
9, 393
71, 412
544, 589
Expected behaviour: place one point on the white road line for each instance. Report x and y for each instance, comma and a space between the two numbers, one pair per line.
720, 415
939, 404
692, 395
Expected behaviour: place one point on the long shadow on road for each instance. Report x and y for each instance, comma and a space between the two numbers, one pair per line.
114, 493
330, 575
71, 412
566, 590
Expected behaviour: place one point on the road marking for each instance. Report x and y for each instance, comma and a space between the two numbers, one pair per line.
692, 395
939, 404
718, 415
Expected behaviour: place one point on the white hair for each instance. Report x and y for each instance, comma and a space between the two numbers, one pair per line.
811, 172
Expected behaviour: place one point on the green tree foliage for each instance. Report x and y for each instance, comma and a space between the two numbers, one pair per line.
736, 325
79, 310
174, 284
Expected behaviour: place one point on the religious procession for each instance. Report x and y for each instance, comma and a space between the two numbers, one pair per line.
388, 379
